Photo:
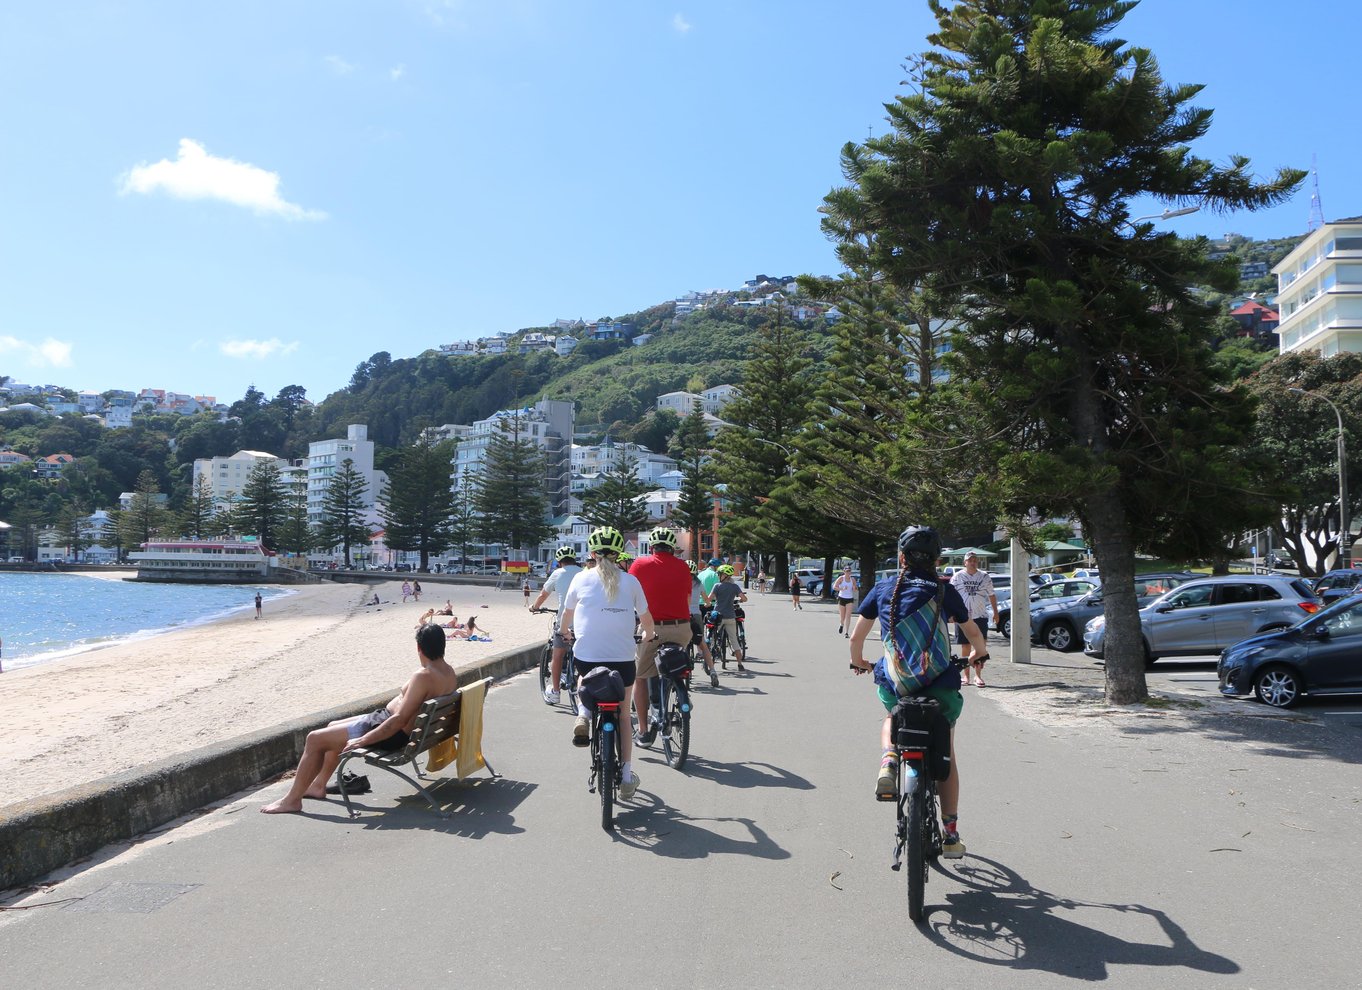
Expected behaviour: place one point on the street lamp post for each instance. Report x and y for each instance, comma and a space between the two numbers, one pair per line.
1345, 549
1169, 214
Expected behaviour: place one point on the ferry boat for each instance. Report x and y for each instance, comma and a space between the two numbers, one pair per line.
211, 561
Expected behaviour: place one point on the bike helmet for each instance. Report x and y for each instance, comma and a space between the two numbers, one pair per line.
713, 561
694, 567
565, 553
607, 539
624, 560
663, 536
726, 571
920, 541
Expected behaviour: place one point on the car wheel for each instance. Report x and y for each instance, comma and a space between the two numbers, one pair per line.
1059, 636
1277, 686
1005, 627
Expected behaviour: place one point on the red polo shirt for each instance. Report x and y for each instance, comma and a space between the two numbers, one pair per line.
666, 584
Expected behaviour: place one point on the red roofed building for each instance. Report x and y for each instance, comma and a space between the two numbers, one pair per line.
1255, 320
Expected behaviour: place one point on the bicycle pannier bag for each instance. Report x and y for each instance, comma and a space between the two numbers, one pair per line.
601, 684
672, 660
919, 724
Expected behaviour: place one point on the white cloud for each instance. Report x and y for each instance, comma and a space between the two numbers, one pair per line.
680, 24
257, 349
195, 174
397, 72
49, 354
339, 65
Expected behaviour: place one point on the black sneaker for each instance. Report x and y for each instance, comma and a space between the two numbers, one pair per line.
354, 784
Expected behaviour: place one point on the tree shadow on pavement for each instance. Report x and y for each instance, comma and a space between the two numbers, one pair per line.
650, 825
474, 808
1002, 920
1268, 731
745, 774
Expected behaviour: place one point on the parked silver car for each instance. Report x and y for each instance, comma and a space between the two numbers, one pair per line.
1201, 618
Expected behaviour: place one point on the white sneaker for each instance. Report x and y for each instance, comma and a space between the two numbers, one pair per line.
628, 786
551, 697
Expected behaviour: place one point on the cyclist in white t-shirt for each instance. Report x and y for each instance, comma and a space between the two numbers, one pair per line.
557, 584
598, 615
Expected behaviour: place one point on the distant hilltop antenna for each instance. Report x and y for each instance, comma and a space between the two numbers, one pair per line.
1316, 208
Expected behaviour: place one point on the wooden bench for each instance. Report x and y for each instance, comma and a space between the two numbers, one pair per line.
457, 716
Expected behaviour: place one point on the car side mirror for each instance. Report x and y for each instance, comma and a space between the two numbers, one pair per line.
1163, 609
1320, 631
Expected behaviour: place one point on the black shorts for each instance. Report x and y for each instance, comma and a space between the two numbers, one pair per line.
372, 721
697, 631
627, 671
960, 636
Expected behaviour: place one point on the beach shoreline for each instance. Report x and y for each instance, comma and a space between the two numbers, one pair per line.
76, 719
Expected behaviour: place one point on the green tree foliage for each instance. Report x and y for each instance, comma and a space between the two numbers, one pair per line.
1004, 192
691, 447
145, 517
619, 500
418, 506
73, 529
655, 430
1296, 436
509, 492
260, 510
464, 524
196, 521
342, 521
295, 535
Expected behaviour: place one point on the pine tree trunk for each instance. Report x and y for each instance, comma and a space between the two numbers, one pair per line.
1123, 642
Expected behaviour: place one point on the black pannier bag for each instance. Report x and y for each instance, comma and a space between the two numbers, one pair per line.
601, 684
672, 660
919, 724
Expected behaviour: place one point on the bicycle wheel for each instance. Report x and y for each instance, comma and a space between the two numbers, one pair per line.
916, 842
676, 726
545, 670
568, 681
720, 647
605, 783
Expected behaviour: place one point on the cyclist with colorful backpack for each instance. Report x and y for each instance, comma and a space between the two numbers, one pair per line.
912, 608
598, 615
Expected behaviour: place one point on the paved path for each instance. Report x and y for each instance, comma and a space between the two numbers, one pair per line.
1188, 850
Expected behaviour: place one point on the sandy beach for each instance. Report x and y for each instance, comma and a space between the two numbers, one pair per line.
75, 720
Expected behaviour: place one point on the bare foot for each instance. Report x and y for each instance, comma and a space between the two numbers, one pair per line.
282, 807
316, 795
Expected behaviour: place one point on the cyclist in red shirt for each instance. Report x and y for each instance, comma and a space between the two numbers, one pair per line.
666, 584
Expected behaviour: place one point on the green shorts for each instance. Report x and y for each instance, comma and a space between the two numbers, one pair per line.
952, 702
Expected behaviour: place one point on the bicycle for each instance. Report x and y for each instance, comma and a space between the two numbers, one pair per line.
567, 684
606, 762
717, 639
917, 825
671, 719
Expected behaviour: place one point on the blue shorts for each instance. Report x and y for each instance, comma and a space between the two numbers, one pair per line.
373, 720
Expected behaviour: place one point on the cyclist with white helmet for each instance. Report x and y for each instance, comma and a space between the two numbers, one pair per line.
557, 584
598, 615
918, 593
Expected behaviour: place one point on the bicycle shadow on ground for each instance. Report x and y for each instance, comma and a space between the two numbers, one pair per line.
475, 808
745, 774
1002, 920
649, 825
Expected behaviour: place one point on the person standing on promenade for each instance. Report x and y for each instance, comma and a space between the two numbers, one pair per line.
976, 588
845, 586
525, 587
666, 584
386, 729
258, 604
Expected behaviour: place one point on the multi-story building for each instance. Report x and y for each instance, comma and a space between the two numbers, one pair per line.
548, 424
681, 403
324, 459
1319, 297
597, 459
226, 476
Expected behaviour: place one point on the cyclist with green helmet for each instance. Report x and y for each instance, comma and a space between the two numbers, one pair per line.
666, 584
557, 584
699, 600
727, 593
598, 615
917, 593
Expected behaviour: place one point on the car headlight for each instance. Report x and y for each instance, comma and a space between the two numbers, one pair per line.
1095, 624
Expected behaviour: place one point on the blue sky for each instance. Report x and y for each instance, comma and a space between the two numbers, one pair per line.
199, 197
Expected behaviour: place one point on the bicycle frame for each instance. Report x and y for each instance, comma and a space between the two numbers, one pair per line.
606, 764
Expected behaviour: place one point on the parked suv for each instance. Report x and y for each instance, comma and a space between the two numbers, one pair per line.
1060, 625
1203, 617
1318, 656
1065, 589
1337, 584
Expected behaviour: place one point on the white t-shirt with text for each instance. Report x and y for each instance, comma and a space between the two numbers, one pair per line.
977, 591
604, 627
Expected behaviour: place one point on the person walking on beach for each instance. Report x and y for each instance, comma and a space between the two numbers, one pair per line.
416, 590
406, 591
258, 604
525, 587
386, 729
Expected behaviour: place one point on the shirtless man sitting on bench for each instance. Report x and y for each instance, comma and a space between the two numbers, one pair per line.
385, 730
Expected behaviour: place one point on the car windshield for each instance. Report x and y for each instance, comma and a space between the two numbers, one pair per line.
1343, 615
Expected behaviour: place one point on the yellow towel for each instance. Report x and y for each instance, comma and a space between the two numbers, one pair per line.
470, 728
441, 754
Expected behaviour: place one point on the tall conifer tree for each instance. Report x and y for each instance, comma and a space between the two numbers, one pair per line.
419, 503
342, 523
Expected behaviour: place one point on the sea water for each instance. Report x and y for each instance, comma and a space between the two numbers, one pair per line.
46, 616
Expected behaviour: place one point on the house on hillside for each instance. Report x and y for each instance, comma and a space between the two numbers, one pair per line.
1255, 320
680, 403
50, 466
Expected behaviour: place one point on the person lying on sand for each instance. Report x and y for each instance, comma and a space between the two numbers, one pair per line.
386, 729
447, 610
468, 631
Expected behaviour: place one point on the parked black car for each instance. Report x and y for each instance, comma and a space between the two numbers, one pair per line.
1321, 655
1335, 585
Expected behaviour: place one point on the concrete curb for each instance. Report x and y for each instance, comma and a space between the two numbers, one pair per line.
39, 836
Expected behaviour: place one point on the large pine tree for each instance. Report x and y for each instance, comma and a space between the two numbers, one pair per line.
692, 448
418, 506
261, 508
509, 492
295, 534
342, 522
619, 500
1004, 191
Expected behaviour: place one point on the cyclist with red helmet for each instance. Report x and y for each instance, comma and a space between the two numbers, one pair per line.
913, 607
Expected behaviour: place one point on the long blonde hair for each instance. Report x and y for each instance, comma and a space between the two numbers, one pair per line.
610, 576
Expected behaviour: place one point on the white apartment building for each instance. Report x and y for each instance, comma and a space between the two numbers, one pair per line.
1319, 291
548, 424
226, 476
324, 459
714, 399
597, 459
681, 403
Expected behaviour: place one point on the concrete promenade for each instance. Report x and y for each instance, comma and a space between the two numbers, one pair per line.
1175, 847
